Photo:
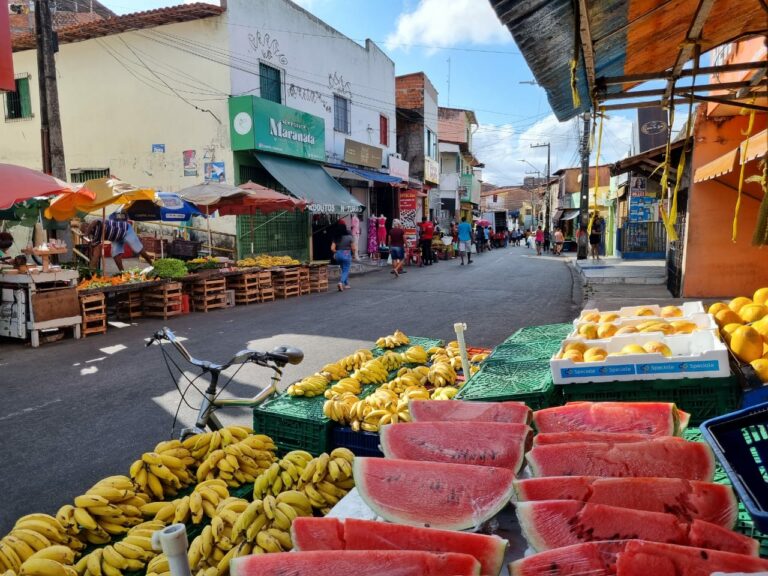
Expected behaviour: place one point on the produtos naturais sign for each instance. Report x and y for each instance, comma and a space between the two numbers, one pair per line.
258, 124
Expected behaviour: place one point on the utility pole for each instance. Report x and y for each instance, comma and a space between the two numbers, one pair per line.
582, 239
546, 184
50, 120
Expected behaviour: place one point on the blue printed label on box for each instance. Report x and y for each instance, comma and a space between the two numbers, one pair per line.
592, 371
676, 367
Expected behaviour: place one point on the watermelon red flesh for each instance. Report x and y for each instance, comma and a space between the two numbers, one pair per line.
662, 457
464, 410
436, 494
643, 558
651, 418
546, 438
687, 499
359, 563
588, 559
352, 534
309, 533
480, 443
550, 524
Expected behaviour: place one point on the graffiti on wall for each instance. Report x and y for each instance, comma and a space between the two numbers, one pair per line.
308, 95
268, 47
338, 85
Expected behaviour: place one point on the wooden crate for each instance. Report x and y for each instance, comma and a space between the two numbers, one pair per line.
287, 290
130, 306
318, 278
164, 301
246, 287
209, 294
304, 281
266, 293
93, 309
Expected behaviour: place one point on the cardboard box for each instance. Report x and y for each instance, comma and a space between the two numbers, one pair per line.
630, 312
703, 320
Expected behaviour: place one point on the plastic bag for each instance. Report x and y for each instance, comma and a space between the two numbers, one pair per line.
389, 259
473, 248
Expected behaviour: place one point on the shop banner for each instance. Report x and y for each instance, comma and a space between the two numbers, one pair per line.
431, 170
258, 124
362, 154
399, 168
409, 204
7, 81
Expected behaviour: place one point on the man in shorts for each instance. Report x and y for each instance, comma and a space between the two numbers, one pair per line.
119, 233
465, 240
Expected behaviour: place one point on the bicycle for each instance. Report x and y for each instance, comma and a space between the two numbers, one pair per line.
277, 359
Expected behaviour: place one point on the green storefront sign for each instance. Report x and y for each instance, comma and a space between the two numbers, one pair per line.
258, 124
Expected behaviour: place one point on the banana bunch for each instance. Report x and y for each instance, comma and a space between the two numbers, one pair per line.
130, 554
343, 386
57, 560
405, 379
31, 534
382, 407
201, 445
239, 463
456, 363
442, 374
327, 479
202, 501
282, 475
452, 348
415, 355
334, 371
339, 408
393, 341
391, 360
371, 372
444, 393
159, 566
212, 550
414, 393
356, 359
160, 475
310, 386
478, 358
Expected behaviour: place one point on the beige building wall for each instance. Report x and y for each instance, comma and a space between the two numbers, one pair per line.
121, 94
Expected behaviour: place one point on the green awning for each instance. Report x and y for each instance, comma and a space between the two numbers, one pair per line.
309, 181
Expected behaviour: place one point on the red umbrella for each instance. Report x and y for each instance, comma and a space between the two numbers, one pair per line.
258, 197
483, 222
18, 183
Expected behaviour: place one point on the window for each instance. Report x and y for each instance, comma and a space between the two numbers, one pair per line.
18, 104
430, 144
269, 83
83, 174
383, 130
340, 114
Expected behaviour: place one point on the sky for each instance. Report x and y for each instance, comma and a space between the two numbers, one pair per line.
473, 62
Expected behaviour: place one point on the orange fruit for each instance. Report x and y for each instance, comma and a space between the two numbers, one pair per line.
660, 347
762, 327
738, 303
727, 316
753, 312
728, 330
746, 343
761, 367
716, 307
761, 296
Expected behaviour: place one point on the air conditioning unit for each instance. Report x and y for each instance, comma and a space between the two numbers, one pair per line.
396, 155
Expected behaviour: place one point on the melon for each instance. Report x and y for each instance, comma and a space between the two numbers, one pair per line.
687, 499
357, 562
351, 534
548, 524
547, 438
435, 494
641, 558
588, 559
665, 458
652, 418
481, 443
465, 410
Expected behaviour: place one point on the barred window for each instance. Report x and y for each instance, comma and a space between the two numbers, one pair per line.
269, 83
340, 114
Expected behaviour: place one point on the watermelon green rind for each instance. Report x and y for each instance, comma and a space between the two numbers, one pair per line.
465, 495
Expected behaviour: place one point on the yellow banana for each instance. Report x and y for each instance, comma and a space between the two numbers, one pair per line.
35, 540
59, 553
42, 567
128, 550
23, 550
94, 562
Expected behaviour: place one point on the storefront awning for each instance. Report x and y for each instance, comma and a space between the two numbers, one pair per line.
570, 214
758, 147
717, 167
368, 174
310, 182
557, 215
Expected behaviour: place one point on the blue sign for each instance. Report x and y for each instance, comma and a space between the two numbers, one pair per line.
593, 371
678, 367
158, 148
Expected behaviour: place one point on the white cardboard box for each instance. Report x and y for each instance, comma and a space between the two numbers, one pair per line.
627, 312
703, 320
697, 355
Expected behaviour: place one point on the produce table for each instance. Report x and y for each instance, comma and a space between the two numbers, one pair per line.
122, 288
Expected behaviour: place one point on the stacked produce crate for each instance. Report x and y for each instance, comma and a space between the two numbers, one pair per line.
294, 423
246, 287
93, 309
130, 306
209, 294
266, 289
318, 278
164, 301
286, 282
304, 280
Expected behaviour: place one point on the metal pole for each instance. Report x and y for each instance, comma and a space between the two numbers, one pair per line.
584, 197
546, 184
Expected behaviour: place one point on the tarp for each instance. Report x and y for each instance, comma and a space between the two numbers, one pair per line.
7, 81
570, 214
95, 194
308, 181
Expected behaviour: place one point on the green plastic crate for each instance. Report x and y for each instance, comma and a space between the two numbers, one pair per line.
556, 332
294, 423
703, 398
519, 351
529, 382
426, 343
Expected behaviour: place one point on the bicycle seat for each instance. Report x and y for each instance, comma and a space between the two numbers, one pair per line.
287, 354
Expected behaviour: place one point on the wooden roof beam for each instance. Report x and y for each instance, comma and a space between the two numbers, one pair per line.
681, 90
587, 47
612, 80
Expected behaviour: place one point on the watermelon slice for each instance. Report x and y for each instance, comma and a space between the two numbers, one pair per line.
359, 563
651, 418
643, 558
547, 438
481, 443
663, 457
441, 411
351, 534
436, 494
588, 559
687, 499
549, 524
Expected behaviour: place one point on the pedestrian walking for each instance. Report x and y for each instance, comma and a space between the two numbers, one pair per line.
559, 240
479, 238
396, 243
488, 236
426, 233
594, 240
539, 239
342, 249
547, 239
464, 234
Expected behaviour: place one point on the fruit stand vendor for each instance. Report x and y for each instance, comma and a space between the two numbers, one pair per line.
118, 233
6, 241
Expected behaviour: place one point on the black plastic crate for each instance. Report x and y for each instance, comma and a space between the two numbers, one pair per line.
360, 443
184, 249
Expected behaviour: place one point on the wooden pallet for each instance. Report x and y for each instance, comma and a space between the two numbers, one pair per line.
93, 309
266, 294
246, 287
163, 302
265, 278
209, 294
318, 286
304, 282
287, 290
130, 306
318, 278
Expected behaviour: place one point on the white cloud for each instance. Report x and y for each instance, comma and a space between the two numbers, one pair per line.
501, 148
441, 23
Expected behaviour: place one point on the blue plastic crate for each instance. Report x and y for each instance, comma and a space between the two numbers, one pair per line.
740, 443
360, 443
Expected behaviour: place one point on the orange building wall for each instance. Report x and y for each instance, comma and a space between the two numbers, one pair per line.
713, 265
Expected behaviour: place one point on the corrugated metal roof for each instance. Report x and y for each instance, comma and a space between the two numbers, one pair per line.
628, 37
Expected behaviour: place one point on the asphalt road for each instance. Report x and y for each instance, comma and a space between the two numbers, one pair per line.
76, 411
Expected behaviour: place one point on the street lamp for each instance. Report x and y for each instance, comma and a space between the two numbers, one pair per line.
538, 180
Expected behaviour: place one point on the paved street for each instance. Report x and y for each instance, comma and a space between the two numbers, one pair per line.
76, 411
